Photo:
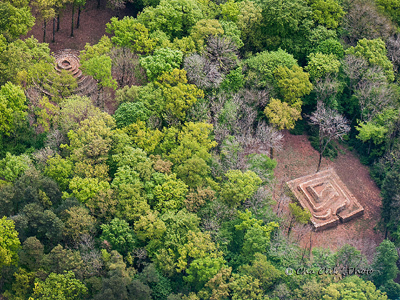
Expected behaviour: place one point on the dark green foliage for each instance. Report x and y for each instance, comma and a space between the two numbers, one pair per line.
128, 113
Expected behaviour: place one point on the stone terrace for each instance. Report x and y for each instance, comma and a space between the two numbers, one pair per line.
326, 197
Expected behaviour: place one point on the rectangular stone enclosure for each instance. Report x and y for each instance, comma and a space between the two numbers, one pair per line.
326, 197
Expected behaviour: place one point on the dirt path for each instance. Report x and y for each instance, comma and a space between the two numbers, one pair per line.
298, 158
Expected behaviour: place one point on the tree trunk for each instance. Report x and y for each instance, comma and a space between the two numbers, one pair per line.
58, 22
319, 162
72, 22
54, 30
79, 17
271, 152
44, 31
98, 4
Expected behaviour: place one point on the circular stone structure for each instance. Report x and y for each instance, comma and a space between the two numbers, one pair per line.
67, 60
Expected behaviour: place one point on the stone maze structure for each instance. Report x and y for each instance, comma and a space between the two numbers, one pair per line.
326, 197
68, 60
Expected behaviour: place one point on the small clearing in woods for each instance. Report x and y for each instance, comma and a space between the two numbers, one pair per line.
298, 158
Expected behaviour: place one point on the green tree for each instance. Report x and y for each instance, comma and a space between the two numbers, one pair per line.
374, 51
239, 187
384, 265
15, 21
32, 254
129, 33
99, 67
298, 215
246, 287
120, 235
61, 287
9, 243
293, 84
263, 65
175, 18
281, 114
128, 113
12, 107
163, 60
170, 195
11, 167
321, 65
352, 287
327, 12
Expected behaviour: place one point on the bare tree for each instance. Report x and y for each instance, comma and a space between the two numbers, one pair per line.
374, 94
126, 67
222, 51
364, 21
354, 67
202, 72
326, 89
270, 136
331, 126
393, 49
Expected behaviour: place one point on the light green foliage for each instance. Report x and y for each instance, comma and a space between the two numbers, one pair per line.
321, 65
47, 114
99, 67
327, 12
103, 47
193, 171
163, 60
90, 144
12, 166
15, 21
370, 131
257, 236
204, 29
293, 83
59, 287
331, 46
301, 216
20, 57
136, 159
192, 139
12, 107
59, 169
200, 258
150, 227
230, 11
9, 243
178, 96
384, 266
352, 287
129, 33
239, 187
175, 18
246, 288
86, 188
232, 31
128, 113
170, 195
282, 115
262, 66
374, 51
143, 137
120, 236
76, 109
185, 44
390, 8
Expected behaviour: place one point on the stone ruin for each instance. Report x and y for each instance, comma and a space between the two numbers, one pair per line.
326, 197
68, 60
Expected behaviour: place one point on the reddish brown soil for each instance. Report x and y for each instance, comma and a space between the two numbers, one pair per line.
298, 158
92, 27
